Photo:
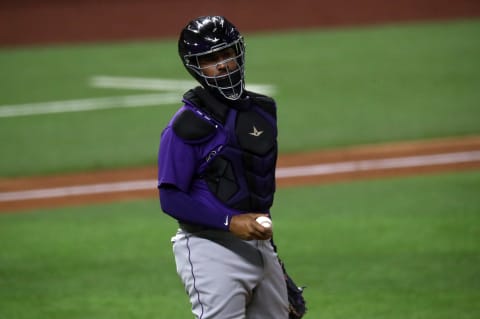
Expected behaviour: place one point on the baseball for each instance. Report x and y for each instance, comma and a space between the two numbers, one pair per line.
264, 221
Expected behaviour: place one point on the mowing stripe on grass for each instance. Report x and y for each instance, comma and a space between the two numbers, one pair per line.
282, 172
158, 84
172, 94
128, 101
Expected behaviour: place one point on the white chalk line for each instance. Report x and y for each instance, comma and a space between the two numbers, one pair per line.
66, 191
282, 172
379, 164
173, 90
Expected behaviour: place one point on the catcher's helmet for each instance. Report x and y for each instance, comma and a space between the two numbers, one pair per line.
210, 34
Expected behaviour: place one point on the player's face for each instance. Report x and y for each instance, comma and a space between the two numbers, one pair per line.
218, 63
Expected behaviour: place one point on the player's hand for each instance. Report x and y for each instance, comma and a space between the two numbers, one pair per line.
246, 227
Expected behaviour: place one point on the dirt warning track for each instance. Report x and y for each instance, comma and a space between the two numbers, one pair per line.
26, 22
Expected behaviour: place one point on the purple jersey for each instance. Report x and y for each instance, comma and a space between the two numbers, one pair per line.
226, 171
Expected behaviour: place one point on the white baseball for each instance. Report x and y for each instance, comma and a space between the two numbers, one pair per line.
264, 221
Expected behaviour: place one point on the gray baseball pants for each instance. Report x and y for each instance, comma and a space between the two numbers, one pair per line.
229, 278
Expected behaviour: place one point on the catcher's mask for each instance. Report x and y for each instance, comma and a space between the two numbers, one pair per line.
209, 35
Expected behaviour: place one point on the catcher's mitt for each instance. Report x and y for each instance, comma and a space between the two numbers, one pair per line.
297, 304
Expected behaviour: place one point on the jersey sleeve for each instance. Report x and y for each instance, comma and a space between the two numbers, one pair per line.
179, 205
176, 161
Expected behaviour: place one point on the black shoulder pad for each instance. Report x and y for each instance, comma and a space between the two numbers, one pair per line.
191, 96
266, 103
191, 127
206, 102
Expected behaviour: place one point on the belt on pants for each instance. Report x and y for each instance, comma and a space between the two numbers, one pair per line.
193, 228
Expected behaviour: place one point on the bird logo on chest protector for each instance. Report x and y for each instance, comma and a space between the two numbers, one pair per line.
256, 132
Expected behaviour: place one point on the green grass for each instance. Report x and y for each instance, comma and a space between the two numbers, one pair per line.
335, 88
393, 248
378, 84
406, 248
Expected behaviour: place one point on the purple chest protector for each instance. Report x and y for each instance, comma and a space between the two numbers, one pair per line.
241, 173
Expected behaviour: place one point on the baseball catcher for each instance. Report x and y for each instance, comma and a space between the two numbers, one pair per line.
216, 176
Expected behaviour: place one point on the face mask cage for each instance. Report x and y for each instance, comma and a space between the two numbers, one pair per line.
230, 84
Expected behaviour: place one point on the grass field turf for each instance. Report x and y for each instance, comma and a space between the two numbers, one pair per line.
335, 88
405, 248
393, 248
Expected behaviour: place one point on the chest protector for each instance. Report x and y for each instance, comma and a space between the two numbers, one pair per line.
241, 173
